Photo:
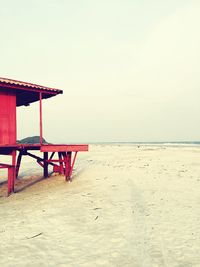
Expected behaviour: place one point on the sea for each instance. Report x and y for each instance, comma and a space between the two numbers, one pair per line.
164, 143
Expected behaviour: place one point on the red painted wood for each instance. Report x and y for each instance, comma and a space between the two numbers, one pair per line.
40, 96
45, 90
16, 94
61, 166
13, 172
63, 148
27, 93
73, 162
4, 166
10, 180
68, 158
56, 168
7, 118
64, 160
55, 160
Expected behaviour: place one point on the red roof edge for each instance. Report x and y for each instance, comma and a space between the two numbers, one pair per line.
20, 84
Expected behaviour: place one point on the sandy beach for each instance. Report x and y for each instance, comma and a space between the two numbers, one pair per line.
128, 205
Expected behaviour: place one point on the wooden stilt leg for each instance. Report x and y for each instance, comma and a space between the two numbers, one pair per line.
73, 164
13, 170
45, 165
12, 174
10, 171
19, 158
53, 153
60, 156
68, 166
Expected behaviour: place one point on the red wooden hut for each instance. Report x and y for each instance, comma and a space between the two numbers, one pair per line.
14, 94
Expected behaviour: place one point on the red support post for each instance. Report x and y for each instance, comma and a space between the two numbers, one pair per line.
40, 118
9, 181
12, 174
14, 169
11, 185
68, 166
73, 164
60, 156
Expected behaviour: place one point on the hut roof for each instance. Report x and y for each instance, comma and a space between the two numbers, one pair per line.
27, 93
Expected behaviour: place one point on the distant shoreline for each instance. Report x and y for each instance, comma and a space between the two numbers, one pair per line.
178, 143
164, 143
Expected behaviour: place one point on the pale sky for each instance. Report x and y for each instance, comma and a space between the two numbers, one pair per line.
130, 70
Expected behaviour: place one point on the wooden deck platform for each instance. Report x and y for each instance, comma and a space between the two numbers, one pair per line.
61, 156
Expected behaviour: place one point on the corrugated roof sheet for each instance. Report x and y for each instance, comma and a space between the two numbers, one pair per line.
26, 84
